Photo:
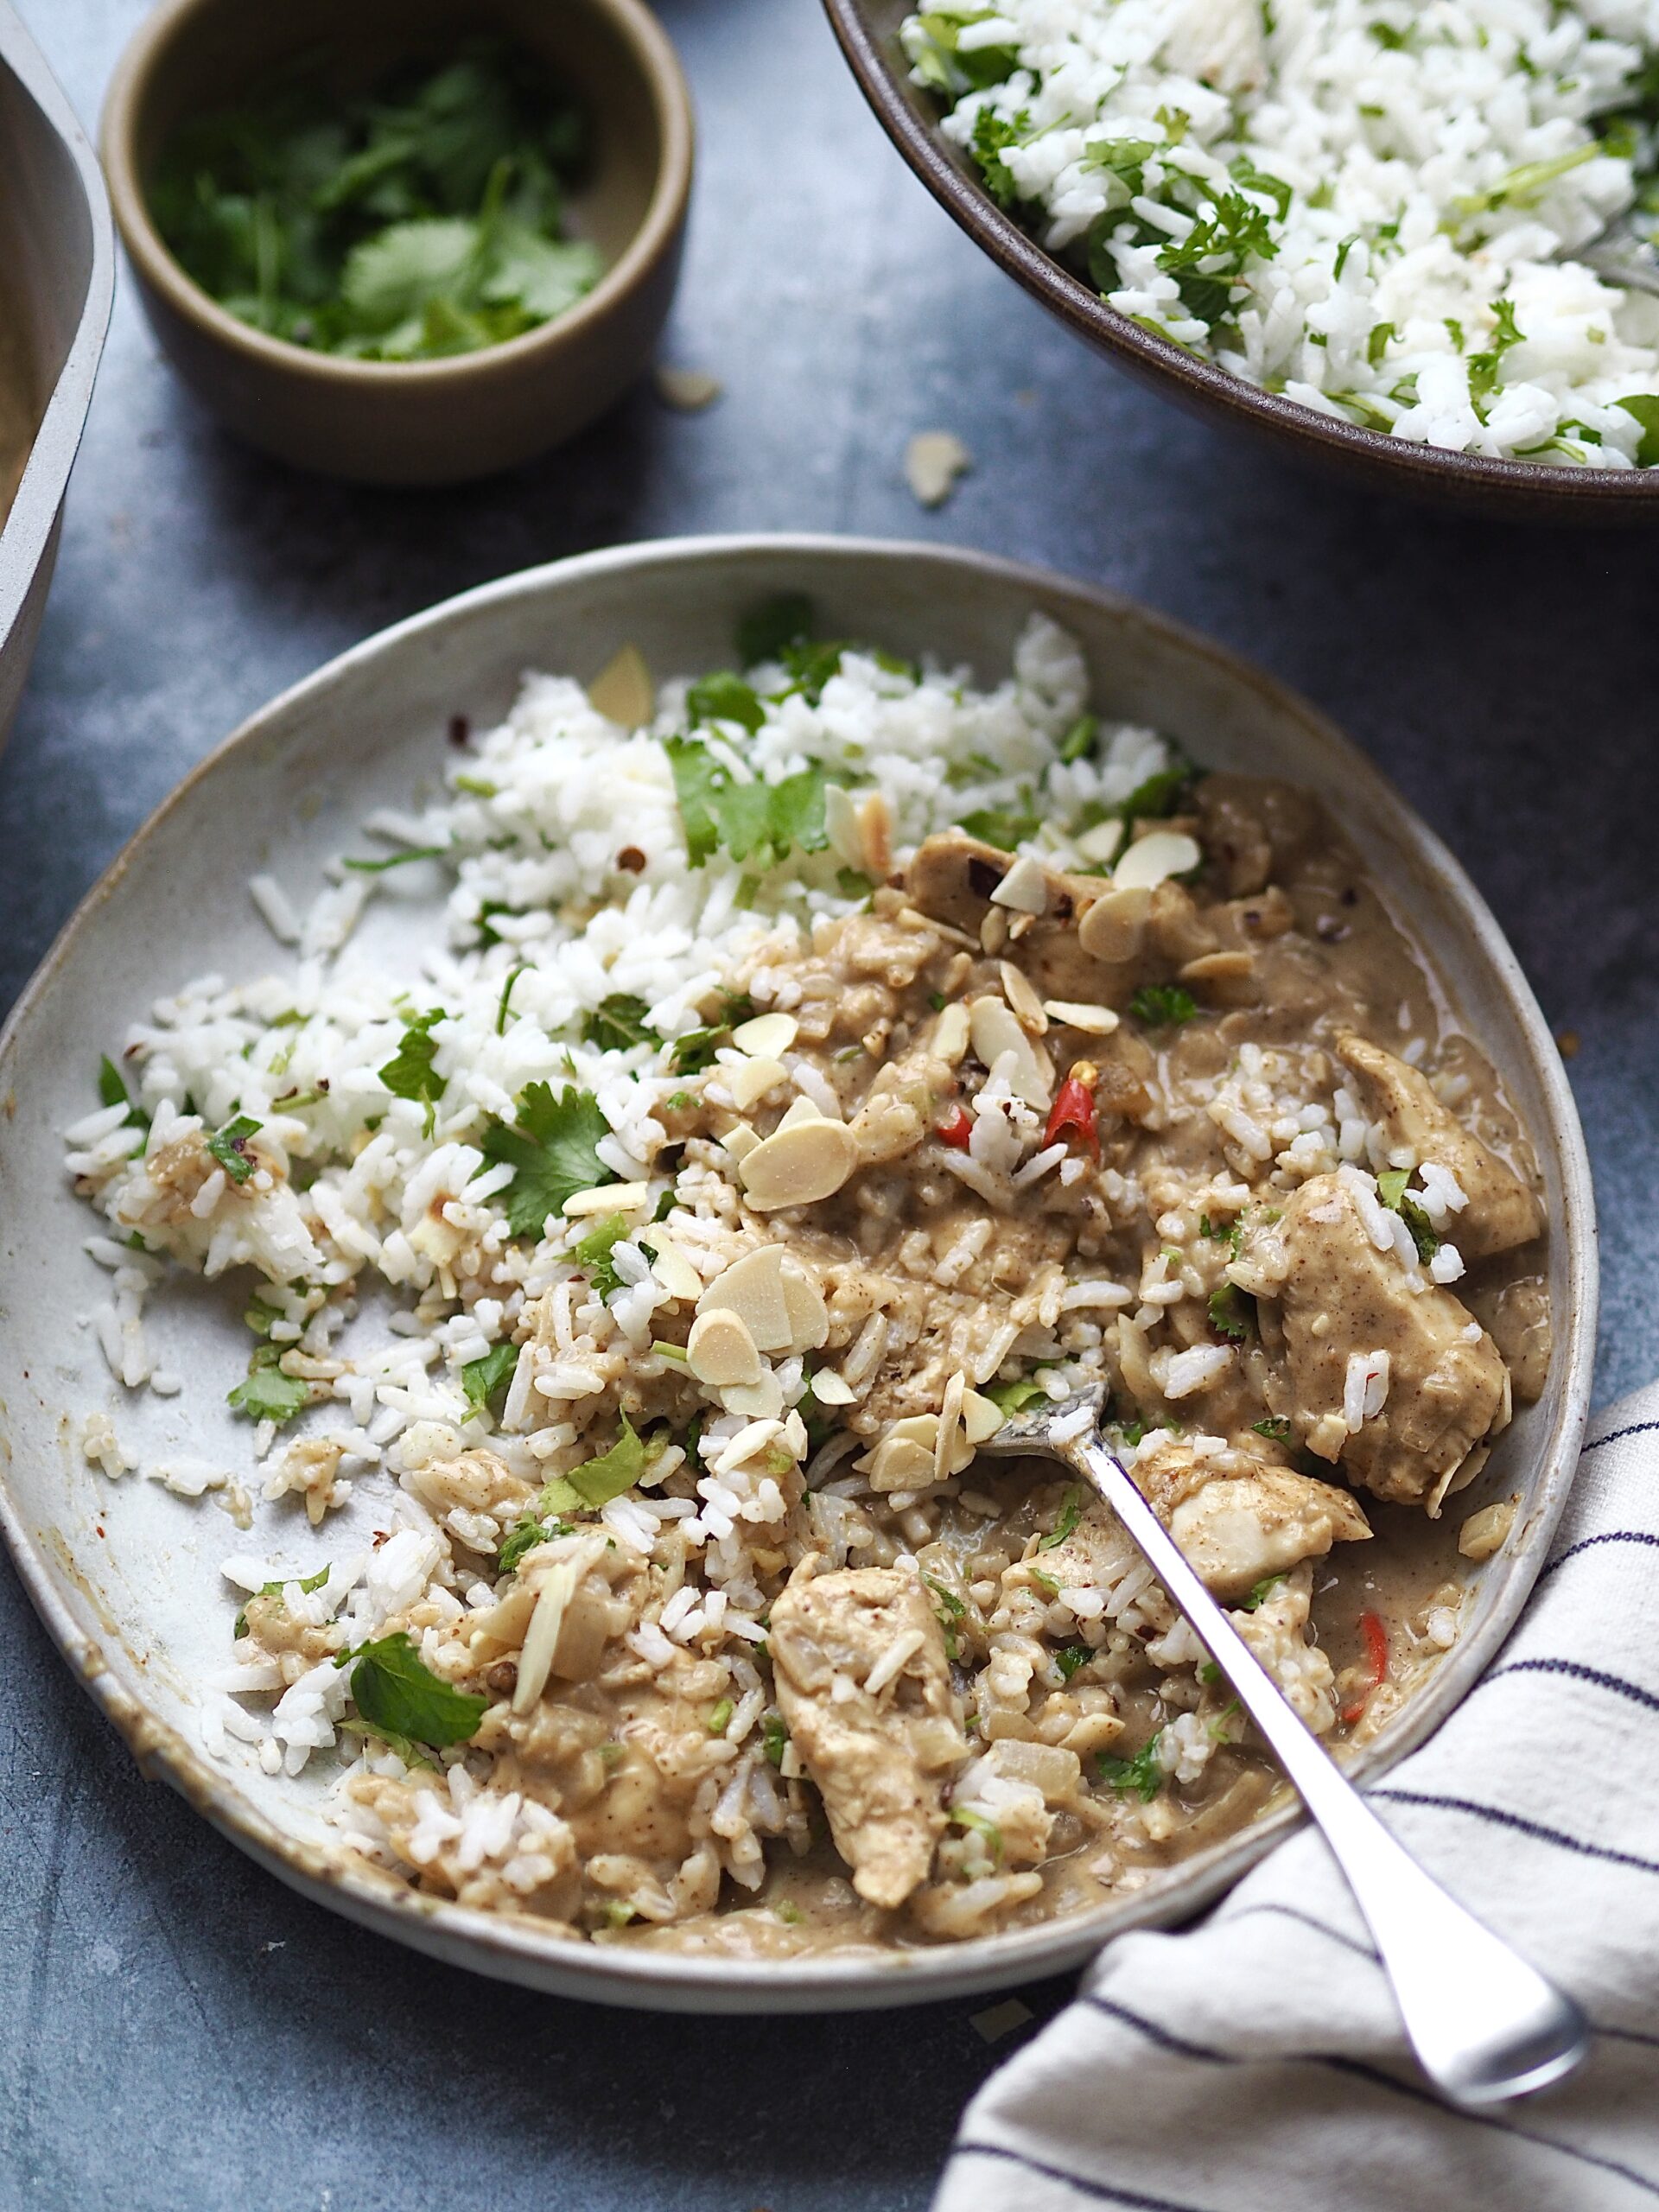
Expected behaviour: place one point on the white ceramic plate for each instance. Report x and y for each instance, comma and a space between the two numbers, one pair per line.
126, 1576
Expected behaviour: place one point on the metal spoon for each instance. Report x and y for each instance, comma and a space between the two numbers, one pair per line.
1624, 253
1485, 2025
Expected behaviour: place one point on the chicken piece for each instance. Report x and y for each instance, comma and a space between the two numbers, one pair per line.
1501, 1211
1446, 1389
1253, 829
1239, 1525
878, 1754
901, 1107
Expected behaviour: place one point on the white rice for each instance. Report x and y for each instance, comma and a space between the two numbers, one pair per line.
1369, 206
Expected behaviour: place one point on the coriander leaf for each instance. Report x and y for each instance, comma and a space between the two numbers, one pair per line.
407, 1750
523, 1536
852, 883
399, 860
482, 1378
1071, 1513
613, 1472
239, 1626
1272, 187
1143, 1774
594, 1253
410, 1073
964, 1816
553, 1149
112, 1091
1079, 741
1264, 1590
1644, 405
542, 276
618, 1022
399, 1695
1072, 1657
1002, 826
765, 630
725, 698
1162, 1006
994, 134
719, 1717
229, 1147
267, 1394
774, 1738
759, 819
1157, 796
1276, 1425
949, 1610
1377, 344
1391, 1189
1484, 367
396, 275
812, 663
1011, 1396
1232, 1312
696, 1049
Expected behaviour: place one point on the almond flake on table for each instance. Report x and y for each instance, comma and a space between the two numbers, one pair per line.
933, 460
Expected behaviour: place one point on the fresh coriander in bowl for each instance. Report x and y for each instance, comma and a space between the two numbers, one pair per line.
402, 241
424, 215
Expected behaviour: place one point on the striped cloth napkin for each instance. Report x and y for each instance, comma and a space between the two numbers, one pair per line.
1254, 2062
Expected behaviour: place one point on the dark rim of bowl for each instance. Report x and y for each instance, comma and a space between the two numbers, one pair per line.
883, 79
130, 89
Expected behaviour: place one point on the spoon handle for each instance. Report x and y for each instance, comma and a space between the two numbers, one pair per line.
1485, 2025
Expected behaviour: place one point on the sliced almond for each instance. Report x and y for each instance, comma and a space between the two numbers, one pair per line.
1076, 1013
950, 1039
1485, 1532
1152, 858
766, 1035
720, 1352
690, 390
740, 1142
981, 1417
1100, 844
1026, 1006
1024, 887
904, 1458
995, 1032
753, 1288
623, 691
1113, 925
749, 1082
829, 1390
841, 826
762, 1400
875, 836
944, 1445
809, 1316
610, 1197
670, 1266
800, 1165
541, 1638
994, 931
803, 1110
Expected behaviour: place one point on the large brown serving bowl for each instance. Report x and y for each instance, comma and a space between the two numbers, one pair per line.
1510, 490
469, 415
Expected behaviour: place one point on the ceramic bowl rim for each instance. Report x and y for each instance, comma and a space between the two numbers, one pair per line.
517, 1950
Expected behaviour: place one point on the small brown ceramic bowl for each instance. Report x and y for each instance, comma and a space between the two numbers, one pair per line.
1512, 491
426, 422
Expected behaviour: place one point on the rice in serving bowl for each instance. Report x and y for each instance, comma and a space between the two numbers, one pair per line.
342, 1122
1371, 210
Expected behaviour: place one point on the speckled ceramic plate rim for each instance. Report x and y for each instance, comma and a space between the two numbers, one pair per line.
517, 1950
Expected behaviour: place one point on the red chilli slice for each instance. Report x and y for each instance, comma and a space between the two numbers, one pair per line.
1075, 1109
1375, 1634
957, 1130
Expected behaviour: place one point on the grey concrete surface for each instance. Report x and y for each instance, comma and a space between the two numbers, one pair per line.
177, 2033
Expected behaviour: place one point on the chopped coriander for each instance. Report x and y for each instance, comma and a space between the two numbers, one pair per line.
1271, 187
1232, 1312
852, 883
267, 1394
774, 1738
1391, 1189
488, 1377
618, 1022
1276, 1425
523, 1536
757, 818
475, 786
308, 1583
1264, 1590
1484, 367
1208, 1672
396, 1692
725, 698
399, 860
719, 1718
410, 1072
691, 1053
1163, 1006
949, 1610
617, 1470
665, 1351
1377, 344
594, 1253
1644, 405
1071, 1657
937, 1000
1158, 797
1143, 1774
1004, 827
1079, 741
553, 1150
765, 631
790, 1913
507, 998
112, 1091
420, 215
229, 1147
1071, 1513
964, 1817
994, 134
